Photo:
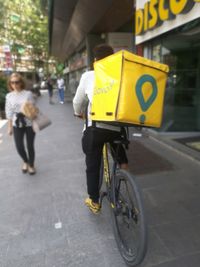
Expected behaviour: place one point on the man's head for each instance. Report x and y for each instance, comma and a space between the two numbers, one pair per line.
101, 51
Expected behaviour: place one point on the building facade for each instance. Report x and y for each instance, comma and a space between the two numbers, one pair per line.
169, 32
76, 26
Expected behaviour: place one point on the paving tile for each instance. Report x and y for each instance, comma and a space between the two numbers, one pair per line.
181, 238
185, 261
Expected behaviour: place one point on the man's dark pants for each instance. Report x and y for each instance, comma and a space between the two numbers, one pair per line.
92, 144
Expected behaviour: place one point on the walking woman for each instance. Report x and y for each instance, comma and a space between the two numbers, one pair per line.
18, 124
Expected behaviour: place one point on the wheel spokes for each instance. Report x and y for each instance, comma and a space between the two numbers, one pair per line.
127, 216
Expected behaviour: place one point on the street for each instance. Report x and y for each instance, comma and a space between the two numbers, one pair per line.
44, 222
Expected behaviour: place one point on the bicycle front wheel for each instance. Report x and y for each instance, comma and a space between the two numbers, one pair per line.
128, 218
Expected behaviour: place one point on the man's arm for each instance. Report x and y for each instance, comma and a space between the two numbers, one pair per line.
80, 99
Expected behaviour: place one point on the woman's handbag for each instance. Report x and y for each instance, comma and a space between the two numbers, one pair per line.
29, 110
40, 122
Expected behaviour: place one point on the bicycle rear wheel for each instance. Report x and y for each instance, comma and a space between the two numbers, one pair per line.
128, 218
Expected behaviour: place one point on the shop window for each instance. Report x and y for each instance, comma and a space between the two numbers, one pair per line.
182, 90
156, 52
181, 51
139, 50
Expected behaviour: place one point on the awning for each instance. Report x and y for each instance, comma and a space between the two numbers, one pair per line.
70, 21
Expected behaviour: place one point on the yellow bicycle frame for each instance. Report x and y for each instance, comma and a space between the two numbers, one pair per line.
106, 170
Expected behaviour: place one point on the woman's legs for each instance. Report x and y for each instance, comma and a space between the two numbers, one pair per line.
19, 142
30, 137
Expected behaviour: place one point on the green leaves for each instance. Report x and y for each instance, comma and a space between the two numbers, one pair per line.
22, 23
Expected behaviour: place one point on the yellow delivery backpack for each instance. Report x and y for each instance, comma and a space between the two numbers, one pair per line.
129, 89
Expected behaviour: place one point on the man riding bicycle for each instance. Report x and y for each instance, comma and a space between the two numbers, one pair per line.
95, 134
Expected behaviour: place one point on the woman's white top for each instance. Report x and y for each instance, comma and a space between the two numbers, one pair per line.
14, 101
84, 94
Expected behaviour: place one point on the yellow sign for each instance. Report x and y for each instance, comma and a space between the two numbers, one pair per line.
157, 11
129, 89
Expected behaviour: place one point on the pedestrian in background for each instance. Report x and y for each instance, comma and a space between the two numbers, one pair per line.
61, 86
50, 89
18, 124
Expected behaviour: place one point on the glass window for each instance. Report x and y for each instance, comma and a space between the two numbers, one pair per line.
181, 51
156, 52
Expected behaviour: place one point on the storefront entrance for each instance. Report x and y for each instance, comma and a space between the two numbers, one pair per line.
180, 49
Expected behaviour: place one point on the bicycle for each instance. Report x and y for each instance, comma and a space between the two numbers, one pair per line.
124, 196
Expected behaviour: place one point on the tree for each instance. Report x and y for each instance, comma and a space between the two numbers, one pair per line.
3, 92
25, 28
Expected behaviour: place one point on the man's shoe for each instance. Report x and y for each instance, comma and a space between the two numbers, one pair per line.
94, 207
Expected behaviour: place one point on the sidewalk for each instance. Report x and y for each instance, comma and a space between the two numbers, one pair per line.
187, 143
45, 224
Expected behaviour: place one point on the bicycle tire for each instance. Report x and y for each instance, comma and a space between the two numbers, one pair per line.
127, 215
